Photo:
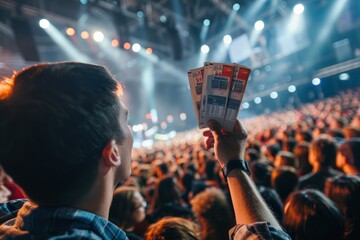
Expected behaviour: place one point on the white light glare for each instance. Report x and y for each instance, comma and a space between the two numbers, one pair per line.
206, 22
259, 25
98, 36
298, 9
227, 39
44, 23
257, 100
136, 47
291, 88
274, 95
344, 76
316, 81
205, 48
163, 18
246, 105
182, 116
236, 7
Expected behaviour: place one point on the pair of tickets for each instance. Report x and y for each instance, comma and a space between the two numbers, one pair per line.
217, 90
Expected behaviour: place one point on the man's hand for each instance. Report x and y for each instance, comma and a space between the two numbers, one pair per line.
227, 146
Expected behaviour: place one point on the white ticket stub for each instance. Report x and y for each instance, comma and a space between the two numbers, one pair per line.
195, 77
217, 82
238, 84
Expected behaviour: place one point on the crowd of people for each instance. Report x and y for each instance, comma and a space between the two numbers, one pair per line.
66, 143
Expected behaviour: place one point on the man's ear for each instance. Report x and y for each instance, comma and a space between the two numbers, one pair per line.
111, 154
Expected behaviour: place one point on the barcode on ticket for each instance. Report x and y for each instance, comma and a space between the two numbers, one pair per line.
215, 105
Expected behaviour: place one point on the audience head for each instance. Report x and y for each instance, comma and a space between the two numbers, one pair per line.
344, 190
348, 157
74, 122
213, 212
301, 151
172, 228
284, 180
252, 154
261, 173
352, 132
289, 145
271, 151
284, 158
310, 214
322, 151
127, 207
303, 136
166, 192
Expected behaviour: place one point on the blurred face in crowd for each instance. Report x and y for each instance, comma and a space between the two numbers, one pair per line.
138, 215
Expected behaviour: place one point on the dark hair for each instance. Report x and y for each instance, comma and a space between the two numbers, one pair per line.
122, 206
304, 135
210, 170
309, 214
261, 173
59, 117
301, 151
289, 144
284, 180
284, 158
165, 192
324, 150
344, 190
351, 150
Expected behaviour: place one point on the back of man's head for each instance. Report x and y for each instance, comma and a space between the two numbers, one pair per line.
57, 120
323, 151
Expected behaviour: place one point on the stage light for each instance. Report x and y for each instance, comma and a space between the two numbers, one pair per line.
163, 19
245, 105
259, 25
44, 23
291, 88
98, 36
84, 2
268, 68
127, 46
227, 39
149, 51
236, 7
85, 35
206, 22
70, 31
115, 43
344, 76
274, 95
298, 9
163, 125
136, 47
205, 48
316, 81
170, 118
257, 100
182, 116
140, 14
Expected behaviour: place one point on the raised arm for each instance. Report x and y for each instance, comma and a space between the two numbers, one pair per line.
249, 206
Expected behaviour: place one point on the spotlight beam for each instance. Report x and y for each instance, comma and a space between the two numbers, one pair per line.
66, 45
225, 9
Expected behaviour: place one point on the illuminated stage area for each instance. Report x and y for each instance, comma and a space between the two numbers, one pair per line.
298, 51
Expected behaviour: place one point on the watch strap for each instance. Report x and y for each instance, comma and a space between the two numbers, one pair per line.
235, 164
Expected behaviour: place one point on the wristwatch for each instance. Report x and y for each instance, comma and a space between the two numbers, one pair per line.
235, 164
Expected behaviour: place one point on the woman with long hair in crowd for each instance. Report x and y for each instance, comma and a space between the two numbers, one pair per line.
344, 190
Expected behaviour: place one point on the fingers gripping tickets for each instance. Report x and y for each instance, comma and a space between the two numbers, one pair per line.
227, 145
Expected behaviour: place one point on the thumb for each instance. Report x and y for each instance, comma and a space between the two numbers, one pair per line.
214, 127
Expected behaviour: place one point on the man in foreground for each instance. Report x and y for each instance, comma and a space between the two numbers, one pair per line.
65, 140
